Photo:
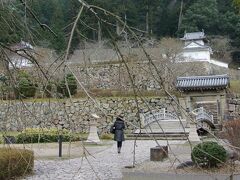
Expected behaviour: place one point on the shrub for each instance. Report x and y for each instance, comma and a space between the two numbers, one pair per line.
235, 86
68, 82
208, 154
44, 138
15, 162
26, 88
231, 132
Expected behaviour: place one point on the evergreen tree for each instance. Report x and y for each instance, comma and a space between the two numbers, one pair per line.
11, 30
159, 17
203, 14
236, 3
26, 88
67, 85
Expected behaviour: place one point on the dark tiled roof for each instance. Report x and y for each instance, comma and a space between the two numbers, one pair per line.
202, 82
193, 36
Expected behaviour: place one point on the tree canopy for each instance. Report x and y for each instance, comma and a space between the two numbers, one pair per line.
237, 2
158, 18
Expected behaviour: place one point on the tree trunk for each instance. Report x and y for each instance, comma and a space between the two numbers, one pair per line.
147, 20
180, 16
117, 28
99, 32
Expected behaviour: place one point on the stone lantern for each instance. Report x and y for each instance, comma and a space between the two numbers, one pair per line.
93, 137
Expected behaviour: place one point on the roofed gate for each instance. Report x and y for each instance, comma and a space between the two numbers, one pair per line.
208, 92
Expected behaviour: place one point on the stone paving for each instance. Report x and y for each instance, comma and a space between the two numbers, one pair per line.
104, 165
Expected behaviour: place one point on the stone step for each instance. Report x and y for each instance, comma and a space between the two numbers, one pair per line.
158, 136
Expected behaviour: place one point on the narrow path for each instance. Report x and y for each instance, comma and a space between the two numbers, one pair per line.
104, 165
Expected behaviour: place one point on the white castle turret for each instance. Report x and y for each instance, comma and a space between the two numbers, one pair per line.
195, 48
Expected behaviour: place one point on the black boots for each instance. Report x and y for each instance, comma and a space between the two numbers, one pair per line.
119, 150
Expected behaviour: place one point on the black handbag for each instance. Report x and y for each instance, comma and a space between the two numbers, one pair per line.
112, 129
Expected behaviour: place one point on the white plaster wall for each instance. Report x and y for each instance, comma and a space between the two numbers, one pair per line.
200, 56
19, 62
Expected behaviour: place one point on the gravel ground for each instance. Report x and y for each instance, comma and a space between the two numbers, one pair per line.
49, 151
107, 164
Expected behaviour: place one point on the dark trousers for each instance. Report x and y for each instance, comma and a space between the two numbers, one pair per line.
119, 144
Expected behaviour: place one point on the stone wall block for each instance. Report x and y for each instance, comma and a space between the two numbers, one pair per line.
77, 112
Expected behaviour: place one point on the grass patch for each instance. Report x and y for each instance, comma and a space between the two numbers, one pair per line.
118, 93
235, 86
15, 162
98, 93
37, 100
9, 133
107, 136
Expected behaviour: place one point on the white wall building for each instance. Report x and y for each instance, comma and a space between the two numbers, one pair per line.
19, 59
195, 48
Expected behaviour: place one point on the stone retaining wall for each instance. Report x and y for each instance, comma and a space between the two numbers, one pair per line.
144, 75
234, 108
75, 115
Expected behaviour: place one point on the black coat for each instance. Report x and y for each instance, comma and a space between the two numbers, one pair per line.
119, 127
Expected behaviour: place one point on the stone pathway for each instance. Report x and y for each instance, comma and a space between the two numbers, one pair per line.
104, 165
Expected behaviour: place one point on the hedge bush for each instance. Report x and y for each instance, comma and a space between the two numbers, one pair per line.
208, 154
15, 162
36, 135
43, 138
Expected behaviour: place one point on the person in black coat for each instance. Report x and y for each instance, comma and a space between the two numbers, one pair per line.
119, 126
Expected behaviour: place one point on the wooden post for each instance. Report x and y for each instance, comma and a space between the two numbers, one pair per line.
60, 145
99, 32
